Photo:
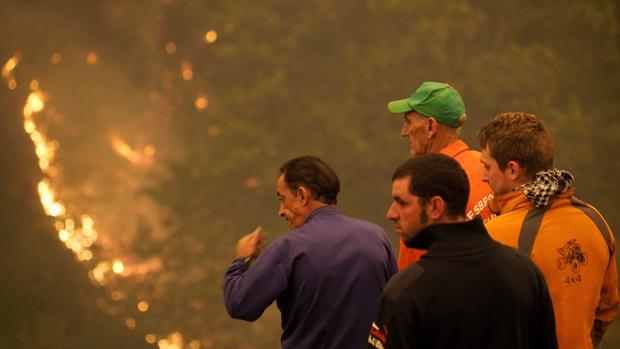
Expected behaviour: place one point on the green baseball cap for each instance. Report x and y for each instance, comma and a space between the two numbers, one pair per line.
434, 99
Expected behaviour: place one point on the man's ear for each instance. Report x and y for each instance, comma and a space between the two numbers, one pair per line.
435, 208
303, 194
514, 170
431, 127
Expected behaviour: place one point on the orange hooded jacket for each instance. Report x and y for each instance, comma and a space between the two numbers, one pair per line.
575, 249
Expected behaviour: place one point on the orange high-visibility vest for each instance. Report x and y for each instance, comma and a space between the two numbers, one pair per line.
479, 194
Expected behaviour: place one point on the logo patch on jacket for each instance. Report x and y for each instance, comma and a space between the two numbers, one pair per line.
377, 337
572, 256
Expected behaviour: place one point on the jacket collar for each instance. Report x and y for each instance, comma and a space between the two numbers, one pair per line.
455, 148
453, 239
515, 200
509, 201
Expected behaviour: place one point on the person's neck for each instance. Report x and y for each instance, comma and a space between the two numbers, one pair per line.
425, 238
443, 138
516, 184
452, 219
314, 205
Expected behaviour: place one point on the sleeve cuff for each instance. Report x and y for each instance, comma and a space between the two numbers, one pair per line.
245, 260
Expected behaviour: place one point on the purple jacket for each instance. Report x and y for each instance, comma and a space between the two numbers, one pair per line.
326, 276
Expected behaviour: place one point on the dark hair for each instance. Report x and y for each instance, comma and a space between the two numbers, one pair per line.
435, 174
519, 137
314, 174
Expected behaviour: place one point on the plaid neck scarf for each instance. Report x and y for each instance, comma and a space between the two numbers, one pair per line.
547, 184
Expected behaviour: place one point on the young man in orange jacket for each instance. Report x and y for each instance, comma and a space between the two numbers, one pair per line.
433, 115
568, 239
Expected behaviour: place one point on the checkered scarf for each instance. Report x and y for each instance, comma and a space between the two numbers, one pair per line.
547, 184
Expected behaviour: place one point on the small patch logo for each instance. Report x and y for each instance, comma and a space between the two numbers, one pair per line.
377, 338
571, 254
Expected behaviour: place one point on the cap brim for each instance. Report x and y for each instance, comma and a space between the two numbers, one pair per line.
400, 106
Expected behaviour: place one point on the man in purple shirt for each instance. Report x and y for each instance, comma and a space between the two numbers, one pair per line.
326, 275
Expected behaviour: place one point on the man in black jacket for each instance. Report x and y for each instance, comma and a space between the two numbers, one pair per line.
468, 291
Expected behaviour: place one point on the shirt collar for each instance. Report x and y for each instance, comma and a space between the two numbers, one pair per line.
326, 210
455, 148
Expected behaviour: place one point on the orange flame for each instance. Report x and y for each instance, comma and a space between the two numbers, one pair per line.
142, 157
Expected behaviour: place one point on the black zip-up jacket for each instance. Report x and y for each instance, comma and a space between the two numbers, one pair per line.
468, 291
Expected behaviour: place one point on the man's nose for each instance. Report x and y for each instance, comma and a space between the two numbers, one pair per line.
404, 131
485, 177
391, 213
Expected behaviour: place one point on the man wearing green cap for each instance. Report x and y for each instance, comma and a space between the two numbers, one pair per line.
433, 116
